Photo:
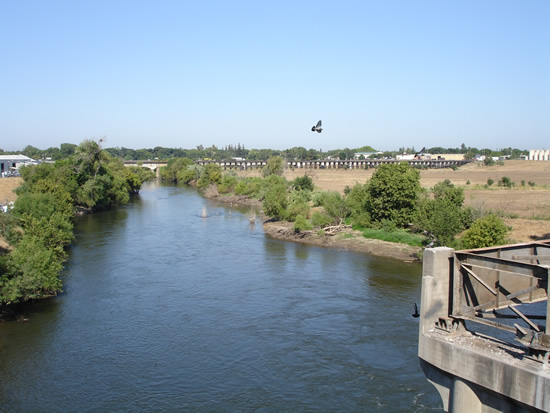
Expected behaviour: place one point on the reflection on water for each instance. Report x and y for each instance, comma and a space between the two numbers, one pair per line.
166, 311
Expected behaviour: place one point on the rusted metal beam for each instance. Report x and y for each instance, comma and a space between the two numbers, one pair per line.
533, 325
463, 266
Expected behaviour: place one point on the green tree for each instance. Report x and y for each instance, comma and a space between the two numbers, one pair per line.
443, 216
31, 273
275, 166
485, 232
393, 192
275, 200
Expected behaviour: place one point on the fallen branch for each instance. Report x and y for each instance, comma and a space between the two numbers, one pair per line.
333, 229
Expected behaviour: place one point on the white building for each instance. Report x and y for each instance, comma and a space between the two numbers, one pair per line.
12, 162
539, 155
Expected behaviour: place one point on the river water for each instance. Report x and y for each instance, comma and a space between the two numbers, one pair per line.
164, 310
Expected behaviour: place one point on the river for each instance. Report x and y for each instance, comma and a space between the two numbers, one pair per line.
164, 310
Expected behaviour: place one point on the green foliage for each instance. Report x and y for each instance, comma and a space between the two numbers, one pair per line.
506, 182
321, 219
172, 171
334, 205
357, 199
393, 192
490, 182
489, 161
212, 174
400, 236
303, 183
275, 200
31, 272
40, 226
274, 166
249, 187
302, 224
443, 216
227, 184
485, 232
298, 205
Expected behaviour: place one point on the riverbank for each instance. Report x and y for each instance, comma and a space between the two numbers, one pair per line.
346, 239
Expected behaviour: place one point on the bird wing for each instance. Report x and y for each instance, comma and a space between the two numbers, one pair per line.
318, 124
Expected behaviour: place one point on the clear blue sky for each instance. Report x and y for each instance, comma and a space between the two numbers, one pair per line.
384, 73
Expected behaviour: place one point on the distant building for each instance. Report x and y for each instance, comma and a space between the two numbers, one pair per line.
448, 156
10, 163
365, 155
539, 155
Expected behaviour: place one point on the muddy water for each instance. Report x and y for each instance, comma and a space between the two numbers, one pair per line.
164, 310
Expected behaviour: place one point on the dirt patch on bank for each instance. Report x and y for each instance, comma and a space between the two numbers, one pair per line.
347, 239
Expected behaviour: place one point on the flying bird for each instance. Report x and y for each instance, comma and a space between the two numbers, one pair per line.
416, 313
317, 128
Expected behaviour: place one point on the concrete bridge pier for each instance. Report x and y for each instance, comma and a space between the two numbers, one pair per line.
481, 372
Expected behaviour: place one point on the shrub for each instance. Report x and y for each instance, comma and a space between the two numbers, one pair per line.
212, 174
506, 182
227, 184
274, 166
489, 161
485, 232
302, 224
334, 206
319, 219
490, 182
297, 205
275, 201
303, 183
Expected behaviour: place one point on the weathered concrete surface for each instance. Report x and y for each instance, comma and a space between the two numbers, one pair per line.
472, 372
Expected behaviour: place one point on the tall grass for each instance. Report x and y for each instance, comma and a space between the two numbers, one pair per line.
400, 236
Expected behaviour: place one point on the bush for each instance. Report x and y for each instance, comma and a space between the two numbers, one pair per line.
298, 205
275, 201
274, 166
443, 216
302, 224
212, 174
303, 183
227, 184
485, 232
490, 182
320, 219
334, 206
506, 182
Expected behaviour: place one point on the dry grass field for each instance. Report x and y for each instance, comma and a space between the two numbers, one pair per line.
528, 207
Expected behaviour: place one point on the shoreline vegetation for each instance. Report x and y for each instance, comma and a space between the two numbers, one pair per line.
387, 212
390, 215
37, 230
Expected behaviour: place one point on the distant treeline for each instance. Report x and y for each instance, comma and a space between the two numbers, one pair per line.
67, 150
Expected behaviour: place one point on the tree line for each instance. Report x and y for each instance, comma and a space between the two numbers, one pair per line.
40, 226
66, 150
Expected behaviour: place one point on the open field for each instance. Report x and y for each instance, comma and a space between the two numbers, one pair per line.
528, 207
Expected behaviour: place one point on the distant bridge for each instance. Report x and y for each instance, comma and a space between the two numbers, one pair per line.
334, 164
318, 164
